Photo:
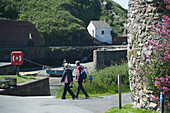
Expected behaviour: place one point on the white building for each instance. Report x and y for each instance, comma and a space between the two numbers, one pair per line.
100, 30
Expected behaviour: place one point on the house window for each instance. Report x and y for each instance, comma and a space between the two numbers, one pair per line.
102, 32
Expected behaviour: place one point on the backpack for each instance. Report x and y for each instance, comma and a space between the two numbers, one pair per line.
83, 74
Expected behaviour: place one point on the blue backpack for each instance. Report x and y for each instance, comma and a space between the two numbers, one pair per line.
83, 74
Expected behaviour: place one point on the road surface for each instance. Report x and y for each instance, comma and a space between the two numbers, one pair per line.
49, 104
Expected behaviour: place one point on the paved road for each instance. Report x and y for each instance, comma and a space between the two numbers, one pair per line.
14, 104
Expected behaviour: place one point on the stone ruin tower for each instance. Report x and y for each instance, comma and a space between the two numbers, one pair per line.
141, 15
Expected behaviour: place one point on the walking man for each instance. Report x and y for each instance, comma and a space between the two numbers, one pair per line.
67, 78
80, 80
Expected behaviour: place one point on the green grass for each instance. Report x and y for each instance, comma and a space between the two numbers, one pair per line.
20, 79
104, 82
128, 109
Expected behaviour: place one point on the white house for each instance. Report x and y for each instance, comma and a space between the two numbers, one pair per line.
100, 30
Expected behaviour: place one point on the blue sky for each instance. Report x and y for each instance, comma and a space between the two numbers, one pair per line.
123, 3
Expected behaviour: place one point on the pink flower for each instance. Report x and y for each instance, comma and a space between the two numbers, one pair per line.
157, 78
168, 106
168, 30
157, 25
156, 83
159, 87
166, 89
168, 96
158, 102
155, 98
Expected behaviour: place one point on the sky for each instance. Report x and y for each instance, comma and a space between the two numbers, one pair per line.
123, 3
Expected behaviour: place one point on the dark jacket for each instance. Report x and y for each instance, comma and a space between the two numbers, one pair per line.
68, 73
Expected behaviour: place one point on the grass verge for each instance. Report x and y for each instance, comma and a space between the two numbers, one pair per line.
20, 79
128, 109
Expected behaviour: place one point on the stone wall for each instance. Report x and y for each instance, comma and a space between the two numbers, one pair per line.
141, 15
103, 58
38, 87
7, 69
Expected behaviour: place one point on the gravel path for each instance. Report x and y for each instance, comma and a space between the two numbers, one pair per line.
13, 104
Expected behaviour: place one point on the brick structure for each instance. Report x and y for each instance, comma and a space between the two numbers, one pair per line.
19, 34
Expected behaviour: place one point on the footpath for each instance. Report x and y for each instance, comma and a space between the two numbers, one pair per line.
49, 104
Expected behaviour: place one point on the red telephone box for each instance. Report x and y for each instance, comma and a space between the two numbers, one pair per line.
16, 58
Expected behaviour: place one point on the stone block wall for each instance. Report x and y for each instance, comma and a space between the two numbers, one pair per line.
103, 58
142, 15
38, 87
7, 69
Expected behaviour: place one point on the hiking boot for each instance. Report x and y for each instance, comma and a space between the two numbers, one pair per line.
73, 97
86, 97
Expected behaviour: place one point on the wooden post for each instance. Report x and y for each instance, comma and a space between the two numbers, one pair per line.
119, 90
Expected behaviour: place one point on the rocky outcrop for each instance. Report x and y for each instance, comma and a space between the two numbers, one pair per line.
142, 15
19, 34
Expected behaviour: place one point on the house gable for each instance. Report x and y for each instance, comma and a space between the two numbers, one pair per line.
100, 30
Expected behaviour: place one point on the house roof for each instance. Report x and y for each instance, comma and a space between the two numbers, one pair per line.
100, 24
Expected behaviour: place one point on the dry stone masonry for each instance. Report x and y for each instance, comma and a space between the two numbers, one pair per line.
142, 15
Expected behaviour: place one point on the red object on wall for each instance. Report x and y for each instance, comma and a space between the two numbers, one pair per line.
120, 40
16, 58
115, 39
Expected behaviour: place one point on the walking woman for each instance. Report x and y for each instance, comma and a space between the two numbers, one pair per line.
67, 78
80, 80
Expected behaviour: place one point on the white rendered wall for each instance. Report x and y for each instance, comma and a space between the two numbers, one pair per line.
91, 28
106, 37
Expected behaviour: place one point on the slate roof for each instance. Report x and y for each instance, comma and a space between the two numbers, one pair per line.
100, 24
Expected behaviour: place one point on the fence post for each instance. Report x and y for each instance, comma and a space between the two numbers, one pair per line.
161, 103
119, 90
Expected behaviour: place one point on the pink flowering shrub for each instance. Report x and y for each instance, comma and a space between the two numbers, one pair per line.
155, 64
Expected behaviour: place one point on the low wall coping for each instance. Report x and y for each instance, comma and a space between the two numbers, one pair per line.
31, 81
